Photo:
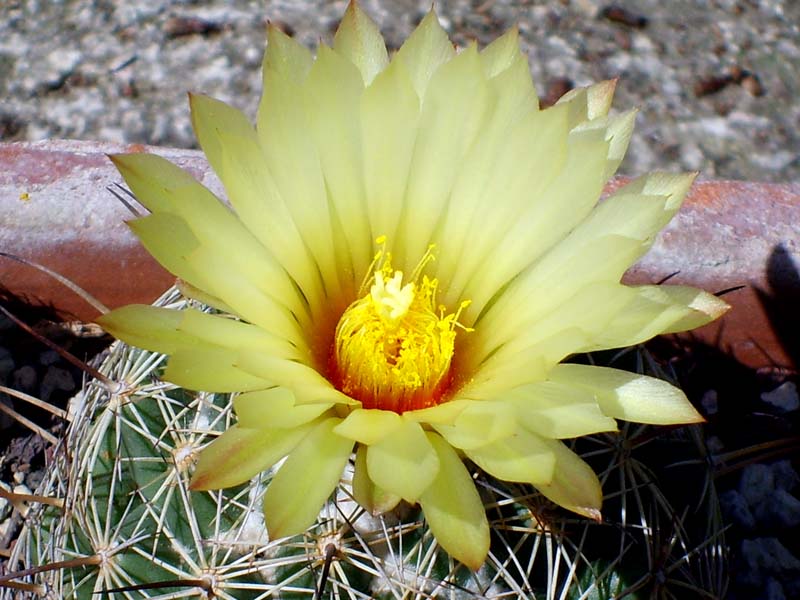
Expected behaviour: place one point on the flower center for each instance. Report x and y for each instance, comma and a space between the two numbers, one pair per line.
393, 346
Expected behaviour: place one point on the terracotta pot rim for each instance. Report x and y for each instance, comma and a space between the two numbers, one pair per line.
57, 211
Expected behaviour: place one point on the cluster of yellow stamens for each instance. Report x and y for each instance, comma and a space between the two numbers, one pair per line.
393, 346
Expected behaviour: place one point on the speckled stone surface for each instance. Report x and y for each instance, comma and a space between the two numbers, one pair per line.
717, 82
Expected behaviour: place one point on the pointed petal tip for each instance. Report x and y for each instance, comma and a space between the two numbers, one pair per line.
474, 564
711, 305
590, 512
118, 159
201, 482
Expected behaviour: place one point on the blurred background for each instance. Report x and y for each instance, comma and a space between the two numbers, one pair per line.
717, 82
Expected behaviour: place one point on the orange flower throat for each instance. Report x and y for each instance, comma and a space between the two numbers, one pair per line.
393, 348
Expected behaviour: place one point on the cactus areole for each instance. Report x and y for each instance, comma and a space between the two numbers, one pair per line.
414, 247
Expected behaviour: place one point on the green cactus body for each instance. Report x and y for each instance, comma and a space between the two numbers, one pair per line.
131, 528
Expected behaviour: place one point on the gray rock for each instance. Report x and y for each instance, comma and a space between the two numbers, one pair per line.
48, 357
784, 397
779, 510
756, 484
709, 402
786, 478
24, 379
54, 379
792, 587
767, 557
773, 590
6, 364
736, 509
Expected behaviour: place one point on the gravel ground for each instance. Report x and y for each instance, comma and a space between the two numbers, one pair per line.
716, 81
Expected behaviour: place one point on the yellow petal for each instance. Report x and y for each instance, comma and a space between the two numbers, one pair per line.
577, 184
164, 187
575, 485
453, 110
425, 50
454, 510
304, 482
194, 293
629, 396
574, 282
210, 370
304, 380
274, 408
359, 40
240, 453
494, 378
658, 309
704, 307
372, 498
403, 463
294, 163
444, 413
558, 411
523, 457
333, 93
369, 426
147, 327
479, 424
501, 53
219, 331
389, 121
285, 56
638, 210
232, 148
590, 102
170, 240
245, 294
618, 130
475, 227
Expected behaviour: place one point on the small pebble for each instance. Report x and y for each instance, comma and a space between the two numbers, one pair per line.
54, 379
735, 508
183, 26
792, 587
784, 397
48, 357
781, 510
22, 507
5, 505
774, 590
756, 483
618, 14
767, 556
786, 478
709, 402
24, 379
6, 364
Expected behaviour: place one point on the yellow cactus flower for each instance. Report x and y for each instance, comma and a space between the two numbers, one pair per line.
413, 248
